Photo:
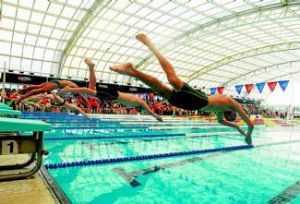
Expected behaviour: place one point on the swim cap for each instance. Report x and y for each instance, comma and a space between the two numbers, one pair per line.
230, 115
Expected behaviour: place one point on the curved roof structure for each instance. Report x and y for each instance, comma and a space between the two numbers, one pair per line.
210, 42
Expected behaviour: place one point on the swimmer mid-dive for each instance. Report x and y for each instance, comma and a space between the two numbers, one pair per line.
59, 101
183, 96
32, 90
55, 99
33, 101
109, 94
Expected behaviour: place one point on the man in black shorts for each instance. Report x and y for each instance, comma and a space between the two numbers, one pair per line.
183, 96
104, 93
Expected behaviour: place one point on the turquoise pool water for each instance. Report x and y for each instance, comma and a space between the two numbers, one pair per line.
269, 172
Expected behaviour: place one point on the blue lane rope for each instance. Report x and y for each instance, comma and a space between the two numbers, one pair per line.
143, 157
99, 127
80, 122
78, 118
113, 137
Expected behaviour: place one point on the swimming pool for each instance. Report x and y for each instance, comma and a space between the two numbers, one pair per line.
87, 160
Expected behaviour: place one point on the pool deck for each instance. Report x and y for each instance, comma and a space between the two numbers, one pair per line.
31, 190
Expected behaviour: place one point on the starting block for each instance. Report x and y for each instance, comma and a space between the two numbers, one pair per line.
20, 136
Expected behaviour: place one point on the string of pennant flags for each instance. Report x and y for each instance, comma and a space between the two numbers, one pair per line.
249, 87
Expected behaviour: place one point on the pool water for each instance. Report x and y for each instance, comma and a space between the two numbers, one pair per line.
269, 172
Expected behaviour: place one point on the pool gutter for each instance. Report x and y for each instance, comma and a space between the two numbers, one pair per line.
54, 187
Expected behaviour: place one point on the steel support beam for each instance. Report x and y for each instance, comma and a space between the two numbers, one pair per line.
278, 65
291, 73
90, 15
243, 18
245, 54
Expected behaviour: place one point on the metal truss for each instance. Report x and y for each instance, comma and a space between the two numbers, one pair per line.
269, 67
97, 6
248, 53
248, 17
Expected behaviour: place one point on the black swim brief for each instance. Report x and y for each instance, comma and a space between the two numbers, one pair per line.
188, 98
105, 93
55, 81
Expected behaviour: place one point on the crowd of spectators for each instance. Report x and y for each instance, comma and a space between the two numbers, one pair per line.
156, 103
94, 105
267, 112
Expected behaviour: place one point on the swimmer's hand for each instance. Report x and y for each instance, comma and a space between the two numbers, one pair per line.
248, 139
159, 118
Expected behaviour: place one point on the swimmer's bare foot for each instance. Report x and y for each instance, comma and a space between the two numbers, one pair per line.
146, 41
89, 63
126, 68
143, 38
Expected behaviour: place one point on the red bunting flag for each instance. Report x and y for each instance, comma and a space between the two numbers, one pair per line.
272, 85
249, 87
220, 89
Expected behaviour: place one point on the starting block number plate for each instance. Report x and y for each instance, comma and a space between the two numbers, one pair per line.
9, 147
17, 147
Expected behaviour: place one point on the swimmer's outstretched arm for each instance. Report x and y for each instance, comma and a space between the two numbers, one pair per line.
68, 105
147, 108
32, 98
32, 104
238, 108
130, 99
74, 107
82, 90
223, 121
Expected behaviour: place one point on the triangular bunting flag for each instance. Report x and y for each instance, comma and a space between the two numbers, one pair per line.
272, 85
260, 86
283, 84
213, 90
249, 87
220, 89
238, 88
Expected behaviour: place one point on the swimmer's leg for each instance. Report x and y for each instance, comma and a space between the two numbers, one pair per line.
151, 81
168, 68
82, 90
92, 80
45, 88
29, 88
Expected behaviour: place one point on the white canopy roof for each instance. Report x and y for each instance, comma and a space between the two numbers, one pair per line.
210, 42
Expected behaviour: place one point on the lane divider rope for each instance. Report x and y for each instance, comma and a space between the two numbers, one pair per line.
143, 157
114, 137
